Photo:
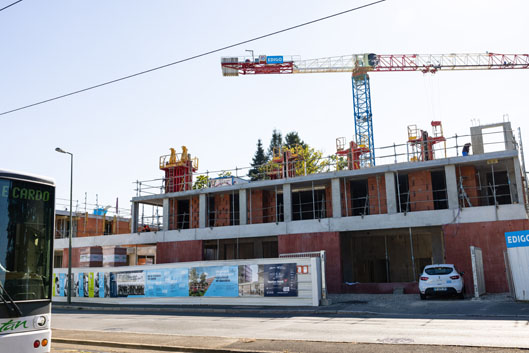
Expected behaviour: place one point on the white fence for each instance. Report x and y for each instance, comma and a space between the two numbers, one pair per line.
278, 282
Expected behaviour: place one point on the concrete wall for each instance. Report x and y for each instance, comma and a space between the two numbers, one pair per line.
328, 241
490, 237
179, 251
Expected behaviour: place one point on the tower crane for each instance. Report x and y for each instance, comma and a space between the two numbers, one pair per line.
362, 64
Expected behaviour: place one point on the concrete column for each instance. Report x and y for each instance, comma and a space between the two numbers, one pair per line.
243, 212
202, 211
336, 200
451, 186
135, 207
166, 214
391, 194
287, 202
518, 180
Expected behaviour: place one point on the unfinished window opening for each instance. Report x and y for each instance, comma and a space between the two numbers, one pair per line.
280, 209
183, 214
57, 259
440, 198
270, 249
211, 211
234, 206
309, 204
210, 251
359, 197
498, 188
248, 248
107, 230
403, 192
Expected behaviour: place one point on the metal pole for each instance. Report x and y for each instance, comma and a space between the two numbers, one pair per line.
412, 257
70, 235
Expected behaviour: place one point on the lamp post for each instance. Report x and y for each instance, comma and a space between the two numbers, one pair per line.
69, 295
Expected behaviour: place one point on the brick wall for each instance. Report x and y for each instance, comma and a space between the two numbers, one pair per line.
222, 210
179, 251
470, 184
194, 211
328, 241
420, 188
490, 237
328, 201
345, 196
377, 194
255, 203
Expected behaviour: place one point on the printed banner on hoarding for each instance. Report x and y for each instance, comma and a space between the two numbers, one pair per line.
213, 281
130, 283
280, 280
269, 280
170, 282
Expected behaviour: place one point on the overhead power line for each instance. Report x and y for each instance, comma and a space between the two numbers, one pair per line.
5, 7
188, 59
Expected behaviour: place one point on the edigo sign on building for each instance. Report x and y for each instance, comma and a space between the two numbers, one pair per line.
517, 239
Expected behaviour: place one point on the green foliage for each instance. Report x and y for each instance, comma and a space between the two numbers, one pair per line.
311, 161
225, 174
292, 139
340, 162
201, 182
259, 159
275, 143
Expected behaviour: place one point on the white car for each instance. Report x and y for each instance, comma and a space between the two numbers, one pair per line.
441, 279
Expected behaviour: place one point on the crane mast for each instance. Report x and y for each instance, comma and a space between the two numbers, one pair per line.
362, 64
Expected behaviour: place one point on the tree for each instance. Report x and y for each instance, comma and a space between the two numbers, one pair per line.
311, 161
201, 182
292, 139
259, 159
275, 143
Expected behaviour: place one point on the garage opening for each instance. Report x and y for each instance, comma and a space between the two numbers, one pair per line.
384, 256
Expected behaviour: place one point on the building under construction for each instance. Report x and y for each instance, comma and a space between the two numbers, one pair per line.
379, 225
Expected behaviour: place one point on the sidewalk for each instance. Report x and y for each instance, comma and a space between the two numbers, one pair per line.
402, 305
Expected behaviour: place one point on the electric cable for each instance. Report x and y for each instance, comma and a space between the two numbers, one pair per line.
187, 59
16, 2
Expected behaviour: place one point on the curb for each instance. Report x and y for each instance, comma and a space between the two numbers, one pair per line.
153, 347
218, 311
271, 311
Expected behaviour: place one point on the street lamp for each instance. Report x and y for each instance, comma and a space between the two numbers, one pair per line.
71, 228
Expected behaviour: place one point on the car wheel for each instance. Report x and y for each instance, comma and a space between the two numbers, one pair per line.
423, 296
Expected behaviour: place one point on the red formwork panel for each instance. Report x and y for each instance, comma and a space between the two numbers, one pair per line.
179, 251
328, 241
490, 237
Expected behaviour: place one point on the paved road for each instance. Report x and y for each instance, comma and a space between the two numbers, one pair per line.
325, 328
306, 347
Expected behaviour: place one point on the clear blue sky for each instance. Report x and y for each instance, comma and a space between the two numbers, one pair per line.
118, 132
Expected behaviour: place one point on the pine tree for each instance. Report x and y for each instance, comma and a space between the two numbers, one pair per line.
258, 160
292, 139
275, 143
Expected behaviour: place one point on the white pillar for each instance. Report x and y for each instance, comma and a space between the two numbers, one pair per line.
451, 186
287, 203
243, 213
336, 200
391, 195
202, 211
